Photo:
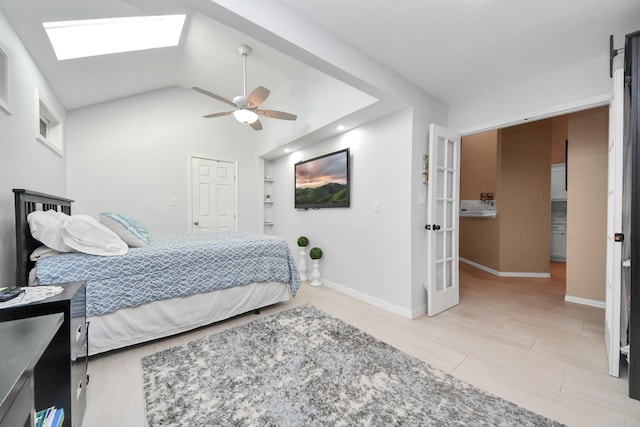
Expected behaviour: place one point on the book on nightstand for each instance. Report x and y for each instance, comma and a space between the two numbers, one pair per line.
58, 418
7, 294
50, 417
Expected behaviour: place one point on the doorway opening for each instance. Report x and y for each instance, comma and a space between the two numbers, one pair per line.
536, 227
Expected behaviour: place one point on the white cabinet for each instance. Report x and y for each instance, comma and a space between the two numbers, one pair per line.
558, 250
558, 181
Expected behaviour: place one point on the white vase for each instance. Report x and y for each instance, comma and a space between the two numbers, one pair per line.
315, 274
302, 265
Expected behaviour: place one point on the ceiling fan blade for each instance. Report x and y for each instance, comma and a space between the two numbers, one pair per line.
256, 125
257, 96
277, 114
223, 113
213, 95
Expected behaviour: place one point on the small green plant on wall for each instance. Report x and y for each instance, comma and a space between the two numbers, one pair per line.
303, 241
315, 253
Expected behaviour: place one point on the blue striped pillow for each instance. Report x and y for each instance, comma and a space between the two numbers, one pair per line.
131, 231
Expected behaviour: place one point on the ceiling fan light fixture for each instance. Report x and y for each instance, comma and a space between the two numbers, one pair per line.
245, 116
247, 106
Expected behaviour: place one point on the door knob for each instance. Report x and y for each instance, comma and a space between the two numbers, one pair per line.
196, 223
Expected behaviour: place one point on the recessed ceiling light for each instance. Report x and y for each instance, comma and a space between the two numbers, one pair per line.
93, 37
340, 127
287, 150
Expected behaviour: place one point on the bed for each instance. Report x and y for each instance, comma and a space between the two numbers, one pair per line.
175, 284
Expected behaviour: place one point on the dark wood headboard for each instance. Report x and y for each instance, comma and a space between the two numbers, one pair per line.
27, 201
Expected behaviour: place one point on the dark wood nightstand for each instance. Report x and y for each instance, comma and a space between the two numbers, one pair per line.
60, 377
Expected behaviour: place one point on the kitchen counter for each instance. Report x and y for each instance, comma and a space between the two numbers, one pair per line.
477, 209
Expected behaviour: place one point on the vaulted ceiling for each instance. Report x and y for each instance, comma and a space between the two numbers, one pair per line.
207, 55
451, 49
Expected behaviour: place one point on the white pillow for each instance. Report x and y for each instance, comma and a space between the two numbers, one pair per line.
85, 234
46, 227
131, 231
42, 252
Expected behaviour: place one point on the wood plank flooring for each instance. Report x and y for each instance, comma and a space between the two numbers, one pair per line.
514, 337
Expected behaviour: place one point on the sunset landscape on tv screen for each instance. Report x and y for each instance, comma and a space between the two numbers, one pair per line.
323, 181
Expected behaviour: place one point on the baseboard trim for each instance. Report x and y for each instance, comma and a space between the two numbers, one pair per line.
393, 308
505, 273
585, 301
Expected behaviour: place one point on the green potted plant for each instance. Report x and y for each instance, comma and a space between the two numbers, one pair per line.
303, 242
315, 254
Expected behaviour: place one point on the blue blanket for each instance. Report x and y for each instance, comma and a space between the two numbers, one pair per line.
173, 266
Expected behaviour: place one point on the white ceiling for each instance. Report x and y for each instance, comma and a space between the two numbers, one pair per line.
452, 49
455, 48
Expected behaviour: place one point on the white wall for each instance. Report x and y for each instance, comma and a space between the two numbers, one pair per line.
514, 101
418, 211
367, 253
24, 161
317, 99
132, 156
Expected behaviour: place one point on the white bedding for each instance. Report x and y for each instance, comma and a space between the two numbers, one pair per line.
173, 266
158, 319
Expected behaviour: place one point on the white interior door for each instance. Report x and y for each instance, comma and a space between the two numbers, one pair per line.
443, 207
614, 225
213, 197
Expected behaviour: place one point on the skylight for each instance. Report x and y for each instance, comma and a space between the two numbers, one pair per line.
93, 37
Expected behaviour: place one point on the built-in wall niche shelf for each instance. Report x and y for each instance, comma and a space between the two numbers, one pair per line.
4, 78
268, 201
267, 190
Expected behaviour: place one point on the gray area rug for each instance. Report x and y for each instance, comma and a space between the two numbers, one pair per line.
302, 367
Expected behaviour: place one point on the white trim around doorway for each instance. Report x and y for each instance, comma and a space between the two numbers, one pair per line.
544, 113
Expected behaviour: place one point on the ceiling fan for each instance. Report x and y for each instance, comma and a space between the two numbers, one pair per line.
246, 107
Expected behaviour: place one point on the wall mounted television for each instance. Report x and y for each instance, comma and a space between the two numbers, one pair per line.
323, 182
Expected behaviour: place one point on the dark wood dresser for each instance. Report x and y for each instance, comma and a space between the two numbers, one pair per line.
60, 377
23, 343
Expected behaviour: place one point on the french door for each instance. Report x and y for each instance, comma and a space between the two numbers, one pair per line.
443, 207
614, 225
